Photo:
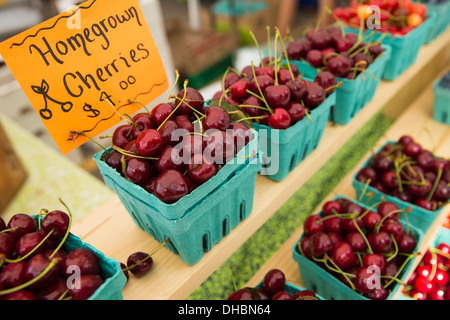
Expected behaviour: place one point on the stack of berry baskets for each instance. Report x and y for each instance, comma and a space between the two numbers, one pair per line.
405, 173
289, 111
350, 251
188, 173
355, 61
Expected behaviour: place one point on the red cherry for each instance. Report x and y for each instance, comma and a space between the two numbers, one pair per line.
149, 143
88, 284
170, 186
422, 284
274, 281
280, 119
313, 224
56, 221
161, 112
85, 261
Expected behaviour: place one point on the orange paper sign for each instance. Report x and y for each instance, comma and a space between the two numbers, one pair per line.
81, 69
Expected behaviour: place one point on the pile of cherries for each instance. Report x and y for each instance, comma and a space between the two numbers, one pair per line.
345, 55
397, 17
366, 249
178, 146
35, 266
273, 93
273, 288
406, 170
430, 280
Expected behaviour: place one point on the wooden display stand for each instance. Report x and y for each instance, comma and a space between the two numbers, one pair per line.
111, 229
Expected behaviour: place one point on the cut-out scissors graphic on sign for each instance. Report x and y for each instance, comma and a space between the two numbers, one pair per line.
46, 113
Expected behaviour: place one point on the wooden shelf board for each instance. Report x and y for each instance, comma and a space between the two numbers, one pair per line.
416, 121
111, 230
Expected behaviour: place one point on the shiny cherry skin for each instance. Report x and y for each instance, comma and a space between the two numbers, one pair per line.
56, 221
161, 112
280, 119
169, 159
36, 266
142, 121
53, 291
193, 99
277, 96
28, 242
89, 283
141, 261
138, 171
200, 168
21, 295
313, 224
149, 143
242, 294
22, 223
84, 259
13, 274
343, 255
122, 135
216, 118
7, 244
274, 281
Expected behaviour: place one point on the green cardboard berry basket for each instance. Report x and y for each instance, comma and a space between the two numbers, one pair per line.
442, 236
283, 150
418, 216
441, 107
199, 220
325, 284
111, 271
442, 11
354, 94
404, 49
292, 289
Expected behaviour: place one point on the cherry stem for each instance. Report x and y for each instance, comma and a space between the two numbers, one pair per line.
69, 213
395, 248
259, 89
337, 85
250, 118
51, 265
32, 251
380, 223
252, 35
175, 109
147, 257
139, 103
177, 78
278, 34
62, 297
79, 133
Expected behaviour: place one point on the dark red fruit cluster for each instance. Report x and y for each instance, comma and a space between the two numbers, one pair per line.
35, 266
364, 248
430, 280
273, 288
330, 49
407, 171
273, 94
176, 147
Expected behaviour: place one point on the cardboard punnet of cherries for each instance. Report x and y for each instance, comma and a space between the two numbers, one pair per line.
177, 146
406, 170
349, 241
37, 262
274, 92
396, 17
332, 50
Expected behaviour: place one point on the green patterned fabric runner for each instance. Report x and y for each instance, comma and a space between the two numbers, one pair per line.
252, 255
